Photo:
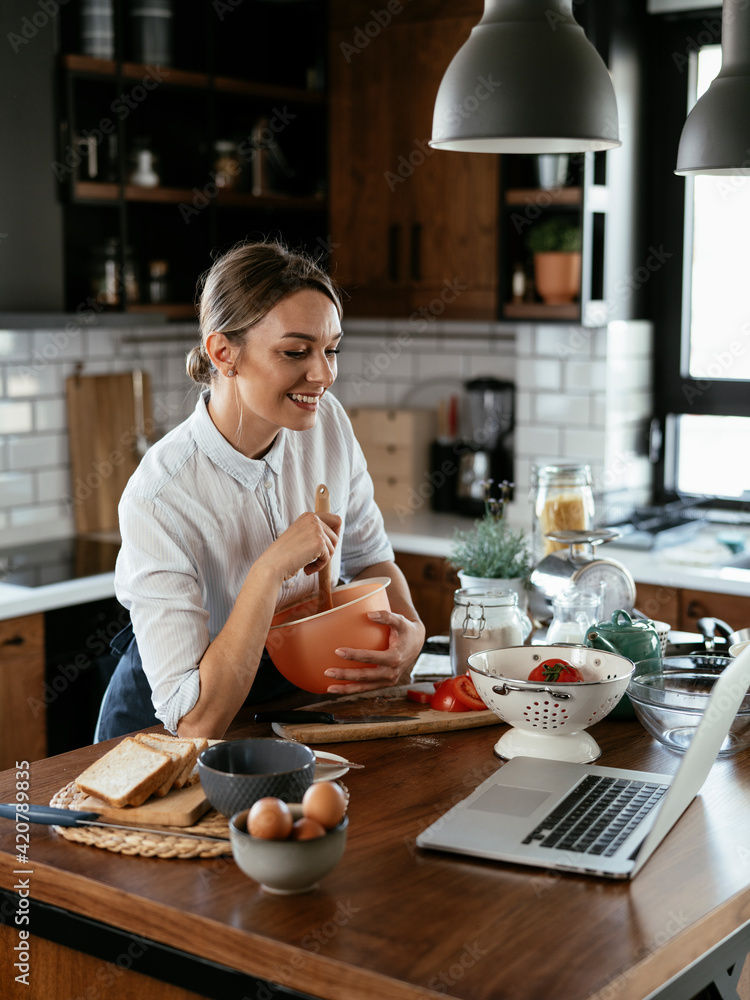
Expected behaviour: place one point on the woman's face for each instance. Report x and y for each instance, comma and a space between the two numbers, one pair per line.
287, 362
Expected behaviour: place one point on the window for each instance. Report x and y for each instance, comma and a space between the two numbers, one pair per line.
704, 400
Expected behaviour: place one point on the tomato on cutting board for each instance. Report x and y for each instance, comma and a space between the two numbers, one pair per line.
457, 694
555, 671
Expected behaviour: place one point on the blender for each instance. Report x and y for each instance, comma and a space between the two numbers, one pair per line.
486, 450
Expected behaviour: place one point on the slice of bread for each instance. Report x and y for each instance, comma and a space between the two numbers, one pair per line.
177, 760
185, 749
127, 774
189, 775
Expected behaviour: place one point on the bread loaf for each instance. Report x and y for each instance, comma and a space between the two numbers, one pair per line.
184, 750
127, 774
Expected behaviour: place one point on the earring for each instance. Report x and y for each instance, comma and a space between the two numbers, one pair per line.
231, 372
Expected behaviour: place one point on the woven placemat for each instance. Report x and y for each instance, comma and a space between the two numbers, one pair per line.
170, 844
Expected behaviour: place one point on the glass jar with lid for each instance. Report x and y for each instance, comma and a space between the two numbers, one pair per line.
484, 619
563, 500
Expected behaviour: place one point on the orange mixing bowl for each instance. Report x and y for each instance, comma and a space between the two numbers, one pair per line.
302, 645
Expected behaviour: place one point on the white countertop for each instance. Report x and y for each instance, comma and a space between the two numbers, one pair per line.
694, 565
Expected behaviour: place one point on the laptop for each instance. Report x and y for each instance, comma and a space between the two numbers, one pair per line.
585, 818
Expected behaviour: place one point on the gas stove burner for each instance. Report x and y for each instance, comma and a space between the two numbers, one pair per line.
40, 564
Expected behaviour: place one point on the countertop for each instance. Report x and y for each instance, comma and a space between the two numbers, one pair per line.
393, 920
694, 564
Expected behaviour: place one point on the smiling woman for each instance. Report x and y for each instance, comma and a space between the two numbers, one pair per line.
217, 524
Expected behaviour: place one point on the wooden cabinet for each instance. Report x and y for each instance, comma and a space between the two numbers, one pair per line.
23, 715
161, 163
432, 582
682, 608
413, 230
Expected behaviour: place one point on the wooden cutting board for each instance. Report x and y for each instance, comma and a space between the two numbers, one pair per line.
103, 423
181, 807
386, 702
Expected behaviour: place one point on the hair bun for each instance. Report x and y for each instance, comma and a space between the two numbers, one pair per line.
198, 366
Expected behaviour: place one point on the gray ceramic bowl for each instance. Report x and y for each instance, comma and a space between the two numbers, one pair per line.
239, 772
286, 867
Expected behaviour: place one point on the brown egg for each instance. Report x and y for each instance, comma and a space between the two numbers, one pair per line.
306, 828
269, 819
324, 801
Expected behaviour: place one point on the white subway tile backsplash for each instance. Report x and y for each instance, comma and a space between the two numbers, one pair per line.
585, 375
16, 418
66, 344
576, 390
536, 374
532, 441
16, 489
562, 409
584, 445
52, 485
15, 345
35, 451
30, 380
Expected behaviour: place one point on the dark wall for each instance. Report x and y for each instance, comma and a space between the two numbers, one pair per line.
31, 242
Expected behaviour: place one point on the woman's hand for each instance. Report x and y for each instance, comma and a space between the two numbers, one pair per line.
389, 666
308, 544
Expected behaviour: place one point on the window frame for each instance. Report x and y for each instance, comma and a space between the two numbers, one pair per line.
669, 209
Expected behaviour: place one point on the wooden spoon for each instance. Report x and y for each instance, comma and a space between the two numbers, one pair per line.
323, 506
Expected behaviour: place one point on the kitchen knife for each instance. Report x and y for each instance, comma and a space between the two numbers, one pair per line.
52, 816
302, 717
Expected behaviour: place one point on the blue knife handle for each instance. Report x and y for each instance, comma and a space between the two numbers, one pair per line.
46, 814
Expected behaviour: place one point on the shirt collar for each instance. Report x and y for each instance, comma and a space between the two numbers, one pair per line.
212, 443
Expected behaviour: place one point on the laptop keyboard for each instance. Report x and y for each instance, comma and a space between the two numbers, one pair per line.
598, 815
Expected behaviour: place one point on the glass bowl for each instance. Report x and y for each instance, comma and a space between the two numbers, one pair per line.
670, 701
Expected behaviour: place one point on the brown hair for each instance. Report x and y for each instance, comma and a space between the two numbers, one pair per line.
242, 286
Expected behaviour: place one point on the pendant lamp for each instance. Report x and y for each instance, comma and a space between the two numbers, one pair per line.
716, 135
527, 80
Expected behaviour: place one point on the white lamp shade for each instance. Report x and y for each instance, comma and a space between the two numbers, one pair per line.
527, 80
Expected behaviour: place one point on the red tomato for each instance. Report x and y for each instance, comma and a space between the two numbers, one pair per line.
446, 698
423, 697
555, 671
467, 693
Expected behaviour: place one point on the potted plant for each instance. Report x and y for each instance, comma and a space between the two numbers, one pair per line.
492, 554
555, 244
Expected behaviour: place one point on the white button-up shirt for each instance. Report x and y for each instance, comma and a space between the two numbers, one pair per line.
197, 513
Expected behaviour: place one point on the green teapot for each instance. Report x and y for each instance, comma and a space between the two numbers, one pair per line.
636, 639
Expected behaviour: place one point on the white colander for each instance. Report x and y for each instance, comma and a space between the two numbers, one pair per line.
548, 719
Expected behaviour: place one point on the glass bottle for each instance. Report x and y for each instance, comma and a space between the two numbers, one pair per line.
574, 611
484, 619
563, 501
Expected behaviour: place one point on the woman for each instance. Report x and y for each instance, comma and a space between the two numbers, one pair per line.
216, 523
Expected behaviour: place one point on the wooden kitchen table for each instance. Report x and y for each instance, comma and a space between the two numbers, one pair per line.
391, 922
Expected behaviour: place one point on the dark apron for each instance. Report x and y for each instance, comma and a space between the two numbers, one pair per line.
127, 706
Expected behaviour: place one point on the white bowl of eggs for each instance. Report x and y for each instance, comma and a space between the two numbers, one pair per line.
288, 847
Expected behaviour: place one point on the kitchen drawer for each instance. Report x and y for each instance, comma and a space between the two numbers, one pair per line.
391, 460
659, 603
734, 609
395, 495
380, 426
23, 717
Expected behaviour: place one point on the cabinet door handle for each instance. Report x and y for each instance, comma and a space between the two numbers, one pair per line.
416, 251
429, 571
17, 640
695, 610
393, 262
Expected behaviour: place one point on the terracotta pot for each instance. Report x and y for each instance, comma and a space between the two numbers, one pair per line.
558, 277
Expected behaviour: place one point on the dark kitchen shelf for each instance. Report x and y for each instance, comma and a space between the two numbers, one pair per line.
99, 191
538, 310
546, 196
